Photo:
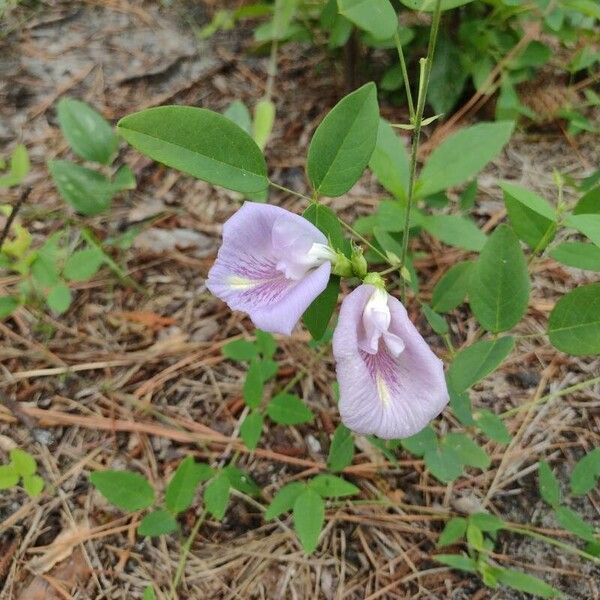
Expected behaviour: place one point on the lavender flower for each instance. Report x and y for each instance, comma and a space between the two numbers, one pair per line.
391, 383
272, 265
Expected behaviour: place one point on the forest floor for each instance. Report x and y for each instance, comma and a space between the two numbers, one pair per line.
134, 377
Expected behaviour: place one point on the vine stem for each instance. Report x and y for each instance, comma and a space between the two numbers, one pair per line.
411, 107
418, 119
185, 550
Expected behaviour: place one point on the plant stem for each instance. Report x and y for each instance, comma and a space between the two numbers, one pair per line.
271, 70
411, 107
185, 550
289, 191
13, 214
566, 547
423, 85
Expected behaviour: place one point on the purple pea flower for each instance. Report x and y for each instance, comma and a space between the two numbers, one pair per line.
391, 383
272, 265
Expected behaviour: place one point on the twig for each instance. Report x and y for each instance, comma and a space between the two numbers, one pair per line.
24, 194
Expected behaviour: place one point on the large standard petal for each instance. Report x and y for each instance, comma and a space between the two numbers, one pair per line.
391, 397
246, 274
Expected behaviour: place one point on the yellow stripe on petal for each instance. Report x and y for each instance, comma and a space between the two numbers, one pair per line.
241, 283
382, 390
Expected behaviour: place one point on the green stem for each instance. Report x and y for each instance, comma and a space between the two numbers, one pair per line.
365, 241
423, 85
411, 107
185, 550
289, 191
564, 392
566, 547
271, 70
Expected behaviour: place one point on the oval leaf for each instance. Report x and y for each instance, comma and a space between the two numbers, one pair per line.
451, 289
343, 143
477, 361
199, 142
463, 155
377, 17
499, 284
455, 230
288, 409
126, 490
88, 133
577, 254
157, 523
574, 324
309, 515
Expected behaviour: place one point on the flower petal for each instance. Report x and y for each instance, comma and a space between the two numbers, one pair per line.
382, 394
246, 274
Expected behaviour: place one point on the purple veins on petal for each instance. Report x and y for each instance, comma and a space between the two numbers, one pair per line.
272, 265
391, 383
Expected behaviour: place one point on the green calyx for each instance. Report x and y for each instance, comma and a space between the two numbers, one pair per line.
374, 279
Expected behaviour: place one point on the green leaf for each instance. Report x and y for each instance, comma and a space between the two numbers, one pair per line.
253, 385
87, 191
251, 428
124, 179
238, 112
548, 485
451, 289
23, 463
241, 481
157, 523
309, 516
317, 316
457, 561
585, 473
531, 217
589, 203
149, 593
59, 298
83, 264
268, 369
526, 583
493, 426
182, 487
265, 343
284, 499
239, 350
448, 75
443, 463
324, 219
455, 230
341, 451
422, 442
264, 117
343, 143
332, 486
33, 485
19, 167
199, 142
126, 490
8, 477
487, 522
462, 155
577, 254
474, 537
216, 496
574, 324
7, 306
453, 531
88, 133
571, 521
461, 407
467, 450
499, 285
477, 361
468, 197
589, 225
437, 322
377, 17
389, 161
288, 409
282, 15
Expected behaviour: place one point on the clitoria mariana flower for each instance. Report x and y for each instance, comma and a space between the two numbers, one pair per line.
272, 265
391, 383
